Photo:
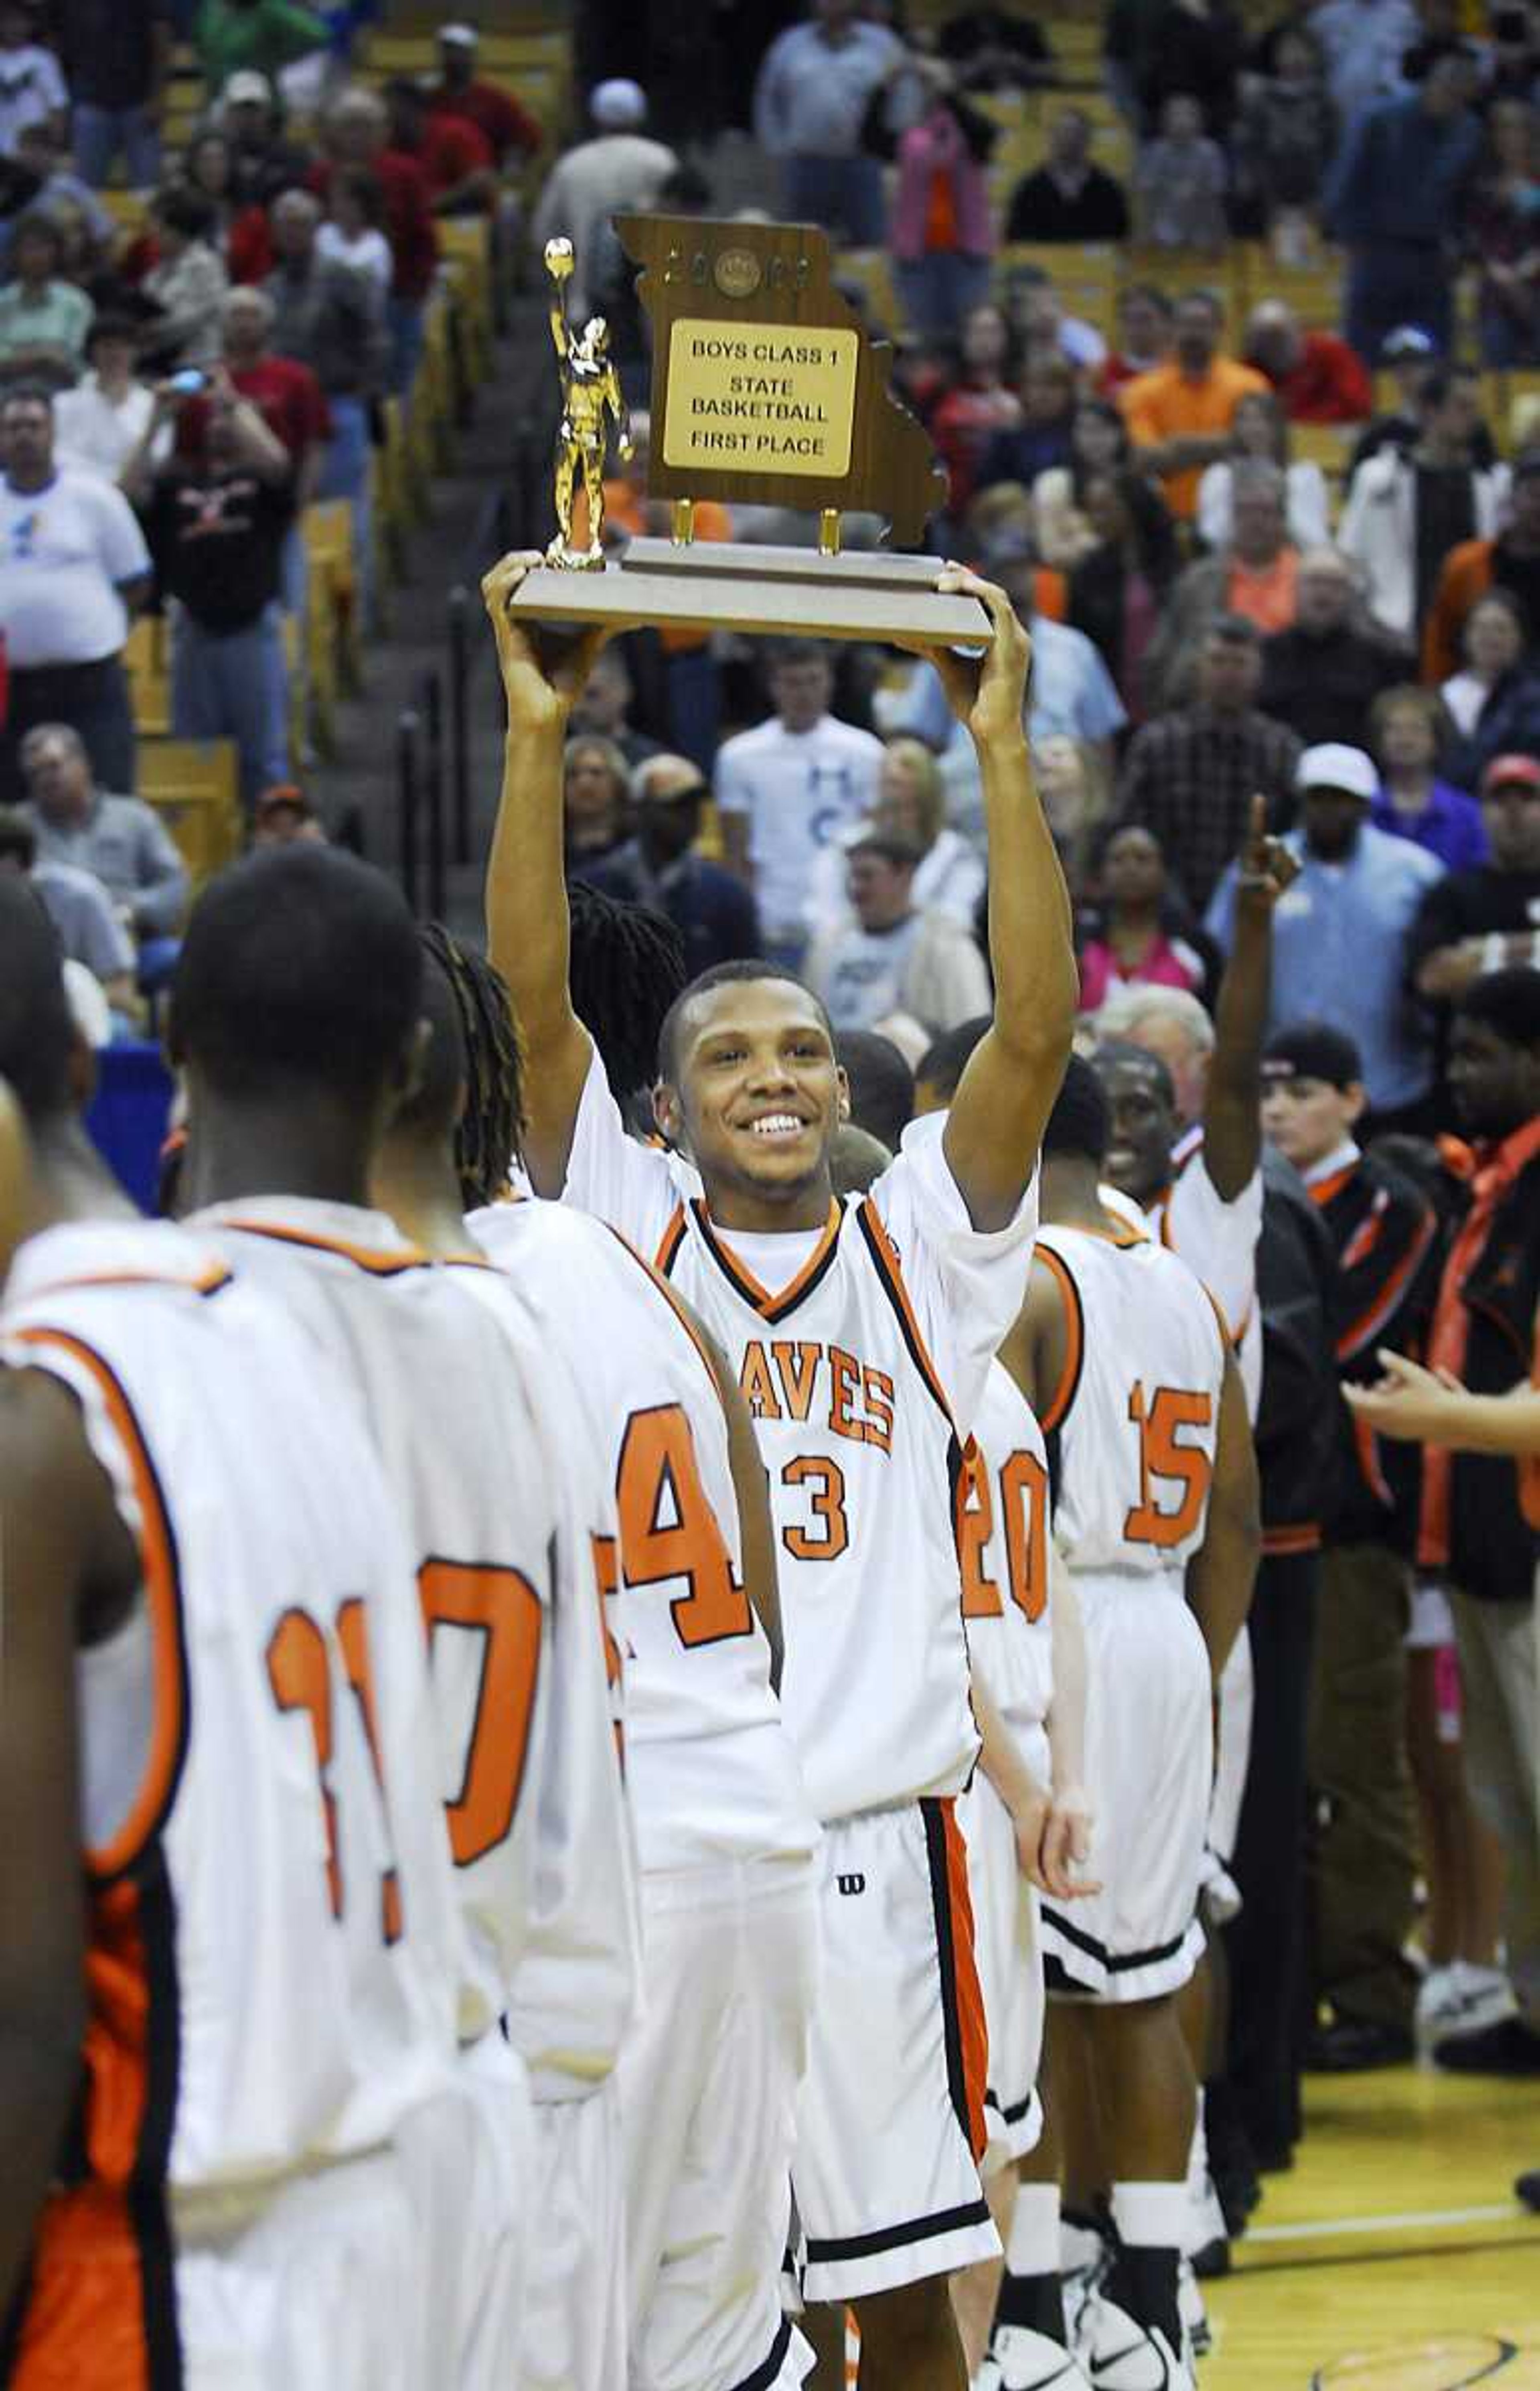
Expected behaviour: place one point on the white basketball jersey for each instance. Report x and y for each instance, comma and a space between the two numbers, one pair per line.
453, 1414
1218, 1242
1005, 1552
1135, 1423
858, 1371
711, 1770
274, 1942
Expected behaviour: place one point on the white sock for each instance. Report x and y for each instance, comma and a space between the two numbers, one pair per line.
1150, 2216
1033, 2247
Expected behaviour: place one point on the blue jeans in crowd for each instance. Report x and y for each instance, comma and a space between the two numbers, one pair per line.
344, 474
843, 194
940, 289
103, 133
403, 322
1396, 282
234, 685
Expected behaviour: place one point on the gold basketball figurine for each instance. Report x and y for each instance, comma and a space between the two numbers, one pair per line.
590, 391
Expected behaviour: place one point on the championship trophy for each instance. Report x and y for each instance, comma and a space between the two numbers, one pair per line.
766, 388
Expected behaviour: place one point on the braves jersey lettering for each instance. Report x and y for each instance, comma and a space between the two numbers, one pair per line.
859, 1371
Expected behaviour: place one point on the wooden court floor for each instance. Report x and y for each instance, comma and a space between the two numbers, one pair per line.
1393, 2258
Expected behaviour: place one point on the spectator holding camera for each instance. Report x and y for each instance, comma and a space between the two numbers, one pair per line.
217, 521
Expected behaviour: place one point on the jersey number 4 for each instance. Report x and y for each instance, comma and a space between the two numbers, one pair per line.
1163, 1461
669, 1530
1024, 1509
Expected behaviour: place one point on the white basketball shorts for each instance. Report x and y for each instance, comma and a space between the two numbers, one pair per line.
890, 2126
709, 2077
470, 2162
1148, 1772
573, 2336
1010, 1972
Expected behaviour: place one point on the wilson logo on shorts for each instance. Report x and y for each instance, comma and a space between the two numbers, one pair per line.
849, 1884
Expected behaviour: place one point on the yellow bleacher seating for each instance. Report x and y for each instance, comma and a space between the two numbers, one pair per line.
1522, 391
869, 269
193, 783
146, 663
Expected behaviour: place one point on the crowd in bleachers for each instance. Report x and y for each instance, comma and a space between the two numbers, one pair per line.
232, 241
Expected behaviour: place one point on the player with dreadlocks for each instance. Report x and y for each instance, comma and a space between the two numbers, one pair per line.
628, 966
724, 1831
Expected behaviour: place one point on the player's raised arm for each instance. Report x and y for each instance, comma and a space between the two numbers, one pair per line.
1007, 1091
55, 1509
1231, 1112
527, 895
1220, 1574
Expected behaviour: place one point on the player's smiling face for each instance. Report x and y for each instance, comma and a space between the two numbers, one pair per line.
758, 1098
1144, 1126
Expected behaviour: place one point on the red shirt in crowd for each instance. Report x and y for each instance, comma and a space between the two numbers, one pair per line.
451, 149
409, 219
1331, 384
500, 120
288, 397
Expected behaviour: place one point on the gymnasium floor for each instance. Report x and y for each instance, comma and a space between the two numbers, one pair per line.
1393, 2258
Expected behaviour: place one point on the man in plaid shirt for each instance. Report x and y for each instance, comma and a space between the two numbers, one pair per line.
1189, 776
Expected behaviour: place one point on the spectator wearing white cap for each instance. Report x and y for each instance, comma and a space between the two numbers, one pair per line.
620, 168
810, 102
262, 162
1341, 933
510, 132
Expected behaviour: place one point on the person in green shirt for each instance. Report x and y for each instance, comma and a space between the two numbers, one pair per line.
43, 320
264, 34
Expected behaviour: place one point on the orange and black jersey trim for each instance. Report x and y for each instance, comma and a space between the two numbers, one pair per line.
771, 1306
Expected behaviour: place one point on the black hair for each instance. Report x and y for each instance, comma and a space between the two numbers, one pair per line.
36, 224
364, 187
188, 212
1154, 531
1507, 1002
943, 1063
300, 969
110, 326
881, 1085
796, 652
626, 972
18, 838
1081, 1122
1138, 1058
724, 975
473, 1070
1236, 630
37, 1029
26, 393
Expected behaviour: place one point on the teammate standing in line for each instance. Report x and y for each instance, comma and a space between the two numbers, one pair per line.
861, 1338
215, 2028
724, 1832
481, 1441
1126, 1359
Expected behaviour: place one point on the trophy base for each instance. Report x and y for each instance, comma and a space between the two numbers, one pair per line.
780, 592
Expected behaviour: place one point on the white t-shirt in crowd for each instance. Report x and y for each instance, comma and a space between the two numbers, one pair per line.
93, 433
797, 788
365, 253
64, 552
31, 89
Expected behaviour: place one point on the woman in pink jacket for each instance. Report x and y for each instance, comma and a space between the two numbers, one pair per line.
943, 235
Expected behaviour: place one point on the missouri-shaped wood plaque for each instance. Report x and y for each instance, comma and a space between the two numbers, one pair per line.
765, 389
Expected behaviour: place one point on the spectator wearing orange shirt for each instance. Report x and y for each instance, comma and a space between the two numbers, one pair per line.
1256, 576
1179, 417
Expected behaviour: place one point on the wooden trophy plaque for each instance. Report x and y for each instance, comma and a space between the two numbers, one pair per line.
766, 388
